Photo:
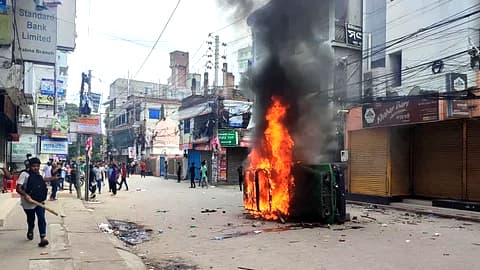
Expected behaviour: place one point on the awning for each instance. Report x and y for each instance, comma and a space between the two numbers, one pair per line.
192, 112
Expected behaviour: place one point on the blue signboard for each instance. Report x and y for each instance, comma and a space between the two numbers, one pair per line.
46, 87
3, 6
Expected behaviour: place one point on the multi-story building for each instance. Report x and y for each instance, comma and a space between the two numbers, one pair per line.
211, 126
416, 134
135, 112
27, 77
244, 59
179, 64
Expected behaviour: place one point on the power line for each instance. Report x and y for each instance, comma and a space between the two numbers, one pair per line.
158, 39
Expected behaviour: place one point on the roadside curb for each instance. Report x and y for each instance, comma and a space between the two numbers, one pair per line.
426, 210
7, 203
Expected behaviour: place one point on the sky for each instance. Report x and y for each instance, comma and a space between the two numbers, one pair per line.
114, 38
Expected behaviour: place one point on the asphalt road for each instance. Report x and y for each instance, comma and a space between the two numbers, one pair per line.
184, 237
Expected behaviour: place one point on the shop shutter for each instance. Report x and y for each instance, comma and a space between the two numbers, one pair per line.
438, 160
473, 160
368, 161
400, 161
235, 157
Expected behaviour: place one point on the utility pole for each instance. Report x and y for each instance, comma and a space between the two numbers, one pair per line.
55, 102
87, 157
217, 63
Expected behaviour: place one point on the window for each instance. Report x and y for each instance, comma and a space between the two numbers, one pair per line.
186, 126
154, 114
396, 68
341, 11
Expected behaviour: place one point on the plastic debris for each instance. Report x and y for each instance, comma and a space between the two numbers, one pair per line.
407, 241
105, 228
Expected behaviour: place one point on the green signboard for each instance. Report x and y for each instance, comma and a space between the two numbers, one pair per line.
228, 138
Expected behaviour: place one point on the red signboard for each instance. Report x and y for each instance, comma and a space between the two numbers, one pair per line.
412, 111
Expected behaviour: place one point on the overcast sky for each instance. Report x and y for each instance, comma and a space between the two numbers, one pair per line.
114, 37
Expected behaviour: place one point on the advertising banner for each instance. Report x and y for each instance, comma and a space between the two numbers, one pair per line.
95, 101
89, 125
47, 99
60, 128
52, 146
37, 32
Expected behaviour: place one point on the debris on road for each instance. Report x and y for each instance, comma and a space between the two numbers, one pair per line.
436, 234
208, 211
129, 232
245, 268
105, 228
162, 211
407, 241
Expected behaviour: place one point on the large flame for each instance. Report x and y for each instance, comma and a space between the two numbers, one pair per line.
269, 180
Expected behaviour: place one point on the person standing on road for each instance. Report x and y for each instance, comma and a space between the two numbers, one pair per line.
179, 172
63, 176
92, 182
123, 172
112, 178
192, 175
203, 171
53, 171
73, 177
143, 169
166, 169
32, 186
240, 176
98, 178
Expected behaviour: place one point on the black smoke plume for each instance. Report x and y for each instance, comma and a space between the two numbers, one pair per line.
295, 61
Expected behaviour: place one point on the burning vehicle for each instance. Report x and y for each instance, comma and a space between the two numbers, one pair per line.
291, 175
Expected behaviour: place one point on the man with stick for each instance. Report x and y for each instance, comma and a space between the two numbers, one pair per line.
33, 191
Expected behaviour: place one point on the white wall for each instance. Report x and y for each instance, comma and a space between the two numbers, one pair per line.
407, 16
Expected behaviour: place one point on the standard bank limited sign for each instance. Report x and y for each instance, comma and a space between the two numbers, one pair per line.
37, 32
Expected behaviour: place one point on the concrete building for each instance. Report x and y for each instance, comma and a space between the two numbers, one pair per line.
244, 59
179, 64
417, 136
133, 113
27, 77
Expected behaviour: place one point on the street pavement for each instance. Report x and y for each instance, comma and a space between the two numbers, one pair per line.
184, 235
377, 238
75, 241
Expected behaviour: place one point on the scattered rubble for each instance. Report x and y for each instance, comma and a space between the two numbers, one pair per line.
208, 211
129, 232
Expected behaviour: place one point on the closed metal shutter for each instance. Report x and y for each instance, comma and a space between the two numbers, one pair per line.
400, 161
368, 161
473, 160
235, 157
438, 160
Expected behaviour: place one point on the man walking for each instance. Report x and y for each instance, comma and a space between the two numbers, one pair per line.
203, 171
98, 177
179, 172
240, 176
112, 178
191, 170
123, 172
31, 187
53, 170
166, 169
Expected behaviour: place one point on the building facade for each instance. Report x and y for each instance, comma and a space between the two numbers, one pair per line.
416, 134
27, 76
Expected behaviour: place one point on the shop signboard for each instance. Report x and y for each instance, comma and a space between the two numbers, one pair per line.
89, 125
382, 114
47, 87
457, 82
37, 32
21, 149
53, 146
228, 138
354, 35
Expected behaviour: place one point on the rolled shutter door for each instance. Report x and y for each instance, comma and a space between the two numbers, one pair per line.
473, 160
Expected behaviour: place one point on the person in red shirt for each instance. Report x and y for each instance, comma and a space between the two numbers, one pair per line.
123, 173
143, 169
